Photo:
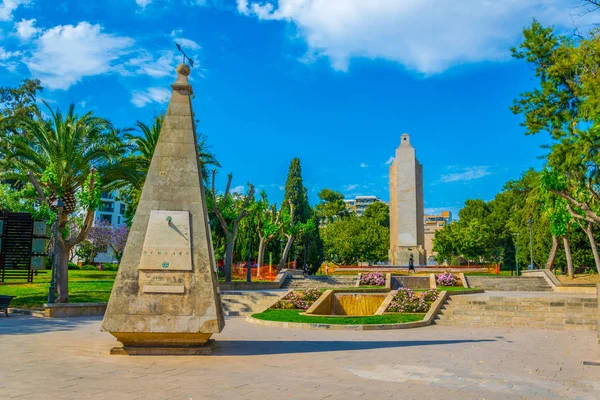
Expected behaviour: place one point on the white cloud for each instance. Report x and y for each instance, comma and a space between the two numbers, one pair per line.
238, 189
351, 187
428, 36
63, 55
282, 188
187, 43
466, 174
390, 160
9, 59
152, 95
8, 6
145, 64
26, 30
363, 165
143, 3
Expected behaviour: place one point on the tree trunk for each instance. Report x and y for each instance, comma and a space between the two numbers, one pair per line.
552, 255
590, 233
228, 262
62, 275
262, 245
568, 257
286, 252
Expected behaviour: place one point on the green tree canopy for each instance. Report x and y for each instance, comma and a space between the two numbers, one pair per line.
331, 206
354, 239
378, 212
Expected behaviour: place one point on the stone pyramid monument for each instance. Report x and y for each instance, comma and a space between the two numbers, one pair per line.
166, 296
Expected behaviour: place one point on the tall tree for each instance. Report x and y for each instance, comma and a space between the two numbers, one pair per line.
378, 212
69, 157
354, 239
20, 101
229, 217
298, 209
331, 206
295, 192
269, 224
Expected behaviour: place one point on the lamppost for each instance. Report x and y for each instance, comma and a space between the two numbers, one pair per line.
530, 221
59, 205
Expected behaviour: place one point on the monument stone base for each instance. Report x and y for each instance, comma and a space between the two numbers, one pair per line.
159, 344
401, 255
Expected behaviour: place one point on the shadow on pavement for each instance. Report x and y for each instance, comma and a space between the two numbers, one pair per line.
255, 347
27, 325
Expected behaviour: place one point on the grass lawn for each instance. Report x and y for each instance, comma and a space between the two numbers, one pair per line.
294, 316
84, 287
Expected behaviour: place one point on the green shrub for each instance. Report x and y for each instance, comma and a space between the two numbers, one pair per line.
110, 267
73, 266
89, 267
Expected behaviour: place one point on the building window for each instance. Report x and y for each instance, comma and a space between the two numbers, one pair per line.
107, 206
106, 217
119, 220
107, 194
122, 209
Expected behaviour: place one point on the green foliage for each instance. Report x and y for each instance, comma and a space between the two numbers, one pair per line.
470, 239
355, 239
331, 206
296, 192
89, 267
20, 200
379, 212
20, 101
86, 251
89, 195
73, 266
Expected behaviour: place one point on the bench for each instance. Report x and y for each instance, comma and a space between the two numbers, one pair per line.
4, 303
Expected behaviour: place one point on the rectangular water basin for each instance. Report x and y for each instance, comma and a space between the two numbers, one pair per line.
339, 303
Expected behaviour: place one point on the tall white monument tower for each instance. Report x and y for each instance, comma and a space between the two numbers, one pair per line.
406, 206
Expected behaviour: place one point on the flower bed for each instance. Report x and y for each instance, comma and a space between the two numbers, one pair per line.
446, 279
406, 301
372, 279
298, 300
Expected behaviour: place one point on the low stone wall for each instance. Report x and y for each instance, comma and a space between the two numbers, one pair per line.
557, 285
60, 310
411, 282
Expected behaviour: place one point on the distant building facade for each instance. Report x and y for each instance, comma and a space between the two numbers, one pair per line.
434, 223
406, 206
360, 203
111, 209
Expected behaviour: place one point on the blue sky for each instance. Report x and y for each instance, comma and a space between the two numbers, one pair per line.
334, 82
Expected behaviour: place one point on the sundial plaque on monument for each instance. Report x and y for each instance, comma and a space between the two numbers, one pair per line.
167, 247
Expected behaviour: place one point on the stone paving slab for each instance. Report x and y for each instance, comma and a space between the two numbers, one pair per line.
69, 359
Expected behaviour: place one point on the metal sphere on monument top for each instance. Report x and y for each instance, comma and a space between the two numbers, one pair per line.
183, 69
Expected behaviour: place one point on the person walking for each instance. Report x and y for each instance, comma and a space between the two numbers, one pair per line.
326, 269
411, 265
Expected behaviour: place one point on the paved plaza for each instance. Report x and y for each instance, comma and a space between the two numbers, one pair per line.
68, 359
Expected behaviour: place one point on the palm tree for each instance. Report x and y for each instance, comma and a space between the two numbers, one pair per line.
69, 157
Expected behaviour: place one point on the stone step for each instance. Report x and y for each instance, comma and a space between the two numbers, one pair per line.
530, 283
248, 302
541, 312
